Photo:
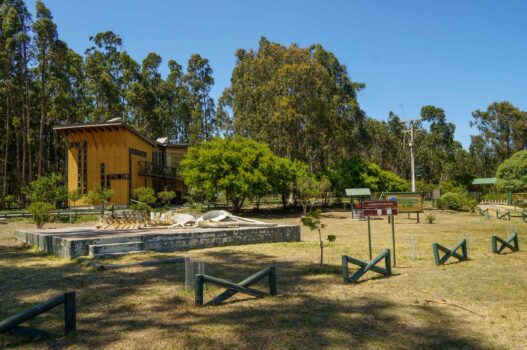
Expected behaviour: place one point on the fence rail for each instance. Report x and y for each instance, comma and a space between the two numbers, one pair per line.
58, 213
70, 318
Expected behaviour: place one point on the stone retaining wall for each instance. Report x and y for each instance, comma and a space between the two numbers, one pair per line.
74, 243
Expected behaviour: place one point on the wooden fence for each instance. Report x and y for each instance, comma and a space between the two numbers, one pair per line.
11, 324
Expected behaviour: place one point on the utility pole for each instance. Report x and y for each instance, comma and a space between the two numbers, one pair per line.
411, 130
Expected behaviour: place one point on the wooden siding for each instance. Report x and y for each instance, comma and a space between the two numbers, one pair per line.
120, 151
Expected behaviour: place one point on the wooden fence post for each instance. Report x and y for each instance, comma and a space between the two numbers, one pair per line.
345, 273
70, 312
272, 280
198, 287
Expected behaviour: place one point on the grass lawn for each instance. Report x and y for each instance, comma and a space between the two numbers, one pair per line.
479, 304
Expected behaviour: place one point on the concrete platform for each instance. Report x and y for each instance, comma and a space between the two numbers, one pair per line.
70, 243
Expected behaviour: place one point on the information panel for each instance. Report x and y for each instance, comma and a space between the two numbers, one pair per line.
407, 202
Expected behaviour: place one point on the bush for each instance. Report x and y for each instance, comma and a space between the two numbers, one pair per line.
430, 218
98, 195
41, 212
49, 189
455, 201
512, 173
145, 195
141, 208
74, 196
453, 187
238, 168
166, 197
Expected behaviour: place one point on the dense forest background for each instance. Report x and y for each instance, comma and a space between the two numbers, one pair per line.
300, 101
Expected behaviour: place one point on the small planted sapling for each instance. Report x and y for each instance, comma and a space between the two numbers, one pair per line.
313, 222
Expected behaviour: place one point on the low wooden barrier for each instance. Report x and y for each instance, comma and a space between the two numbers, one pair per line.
11, 324
233, 288
524, 216
484, 212
506, 215
58, 213
450, 252
366, 266
511, 243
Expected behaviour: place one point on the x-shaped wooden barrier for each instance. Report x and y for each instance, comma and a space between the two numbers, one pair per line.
450, 252
507, 215
366, 266
505, 243
233, 288
484, 212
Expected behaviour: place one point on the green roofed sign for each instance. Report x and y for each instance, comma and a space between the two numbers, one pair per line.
484, 181
358, 192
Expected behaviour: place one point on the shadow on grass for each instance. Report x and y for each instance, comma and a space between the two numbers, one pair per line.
114, 306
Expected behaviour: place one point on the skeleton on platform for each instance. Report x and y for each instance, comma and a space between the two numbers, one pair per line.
172, 219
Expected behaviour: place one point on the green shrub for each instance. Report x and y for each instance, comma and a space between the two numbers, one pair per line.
453, 187
99, 196
145, 195
142, 208
41, 212
166, 197
430, 218
49, 189
74, 196
471, 204
452, 201
457, 201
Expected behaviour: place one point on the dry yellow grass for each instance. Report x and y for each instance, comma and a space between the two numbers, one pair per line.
479, 304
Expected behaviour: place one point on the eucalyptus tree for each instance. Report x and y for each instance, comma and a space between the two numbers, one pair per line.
300, 101
46, 38
203, 124
104, 76
503, 127
14, 89
176, 108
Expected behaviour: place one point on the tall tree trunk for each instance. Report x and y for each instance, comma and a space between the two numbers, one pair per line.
42, 114
6, 151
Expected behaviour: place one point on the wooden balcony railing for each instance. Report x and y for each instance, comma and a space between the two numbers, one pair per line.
154, 170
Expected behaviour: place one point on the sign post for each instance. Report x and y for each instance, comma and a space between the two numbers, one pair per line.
393, 239
369, 237
380, 208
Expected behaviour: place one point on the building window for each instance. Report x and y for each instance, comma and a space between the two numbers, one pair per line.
85, 167
103, 177
79, 168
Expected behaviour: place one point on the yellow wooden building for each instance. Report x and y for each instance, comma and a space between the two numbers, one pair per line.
115, 155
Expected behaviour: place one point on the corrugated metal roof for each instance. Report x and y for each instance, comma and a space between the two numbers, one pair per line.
115, 123
355, 192
484, 181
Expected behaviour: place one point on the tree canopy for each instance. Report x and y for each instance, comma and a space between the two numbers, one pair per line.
512, 173
300, 101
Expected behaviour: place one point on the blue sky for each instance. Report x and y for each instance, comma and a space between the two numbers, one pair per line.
458, 55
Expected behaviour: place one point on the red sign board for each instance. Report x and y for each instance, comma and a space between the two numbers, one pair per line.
380, 204
379, 212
